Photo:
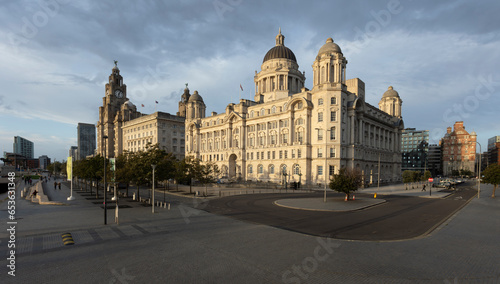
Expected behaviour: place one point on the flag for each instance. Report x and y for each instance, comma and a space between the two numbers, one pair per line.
241, 87
142, 105
156, 101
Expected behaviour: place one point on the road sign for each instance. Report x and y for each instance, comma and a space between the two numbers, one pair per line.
431, 179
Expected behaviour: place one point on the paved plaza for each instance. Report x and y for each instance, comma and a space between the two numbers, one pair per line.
187, 244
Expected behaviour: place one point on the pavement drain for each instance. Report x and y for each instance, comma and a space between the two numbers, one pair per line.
107, 233
82, 237
25, 245
51, 241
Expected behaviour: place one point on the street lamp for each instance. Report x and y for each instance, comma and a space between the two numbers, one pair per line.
153, 191
326, 161
479, 171
105, 196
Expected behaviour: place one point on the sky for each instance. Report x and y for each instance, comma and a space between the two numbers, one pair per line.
56, 55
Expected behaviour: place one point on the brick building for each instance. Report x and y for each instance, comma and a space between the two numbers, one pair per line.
459, 149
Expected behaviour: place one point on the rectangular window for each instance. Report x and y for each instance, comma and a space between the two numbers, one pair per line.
258, 155
320, 153
332, 133
284, 137
251, 156
332, 170
286, 154
320, 116
281, 154
274, 155
332, 152
299, 153
333, 100
293, 154
320, 135
269, 155
320, 170
333, 116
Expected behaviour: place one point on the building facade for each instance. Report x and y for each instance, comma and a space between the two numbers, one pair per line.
44, 162
86, 140
493, 150
414, 147
73, 152
459, 149
434, 160
122, 128
289, 131
24, 147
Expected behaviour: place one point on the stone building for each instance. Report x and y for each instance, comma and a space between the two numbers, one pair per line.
127, 129
459, 149
289, 131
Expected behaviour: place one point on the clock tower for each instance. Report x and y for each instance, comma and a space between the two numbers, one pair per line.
112, 102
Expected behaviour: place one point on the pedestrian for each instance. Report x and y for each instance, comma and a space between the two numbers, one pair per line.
423, 187
59, 184
55, 185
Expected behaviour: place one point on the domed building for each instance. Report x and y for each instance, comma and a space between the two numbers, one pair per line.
290, 133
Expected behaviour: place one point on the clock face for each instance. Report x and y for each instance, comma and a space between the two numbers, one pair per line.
119, 94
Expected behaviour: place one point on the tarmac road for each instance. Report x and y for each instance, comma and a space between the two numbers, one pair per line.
399, 218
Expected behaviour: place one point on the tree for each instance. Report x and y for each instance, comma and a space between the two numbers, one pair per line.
123, 170
207, 173
346, 181
427, 175
492, 176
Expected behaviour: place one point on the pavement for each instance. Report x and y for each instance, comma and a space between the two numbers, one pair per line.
190, 245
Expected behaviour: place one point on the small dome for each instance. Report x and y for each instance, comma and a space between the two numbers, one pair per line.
390, 93
128, 104
280, 50
329, 47
473, 133
195, 97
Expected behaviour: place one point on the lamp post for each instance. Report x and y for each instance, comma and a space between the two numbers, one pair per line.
326, 161
153, 191
105, 196
479, 171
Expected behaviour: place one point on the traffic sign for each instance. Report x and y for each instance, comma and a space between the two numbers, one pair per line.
431, 179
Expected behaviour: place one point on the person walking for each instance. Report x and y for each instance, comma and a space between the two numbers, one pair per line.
55, 185
59, 184
423, 187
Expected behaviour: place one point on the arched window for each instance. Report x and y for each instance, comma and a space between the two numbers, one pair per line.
273, 109
250, 169
260, 169
283, 169
296, 169
262, 112
271, 169
252, 114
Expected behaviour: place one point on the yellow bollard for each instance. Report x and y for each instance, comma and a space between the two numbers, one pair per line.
375, 195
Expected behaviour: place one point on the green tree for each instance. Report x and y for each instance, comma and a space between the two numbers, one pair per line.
346, 181
207, 173
124, 171
427, 175
492, 176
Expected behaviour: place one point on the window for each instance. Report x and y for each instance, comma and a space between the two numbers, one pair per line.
262, 112
332, 133
273, 109
300, 135
299, 153
320, 102
320, 116
281, 154
320, 135
332, 170
251, 114
333, 100
260, 169
293, 154
258, 155
320, 170
250, 169
269, 155
320, 153
333, 116
273, 139
274, 155
284, 137
300, 121
286, 154
271, 169
332, 152
296, 170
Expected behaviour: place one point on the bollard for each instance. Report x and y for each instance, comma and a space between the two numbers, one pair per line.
375, 195
133, 197
169, 206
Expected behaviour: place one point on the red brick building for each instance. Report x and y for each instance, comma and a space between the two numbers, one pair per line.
459, 149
